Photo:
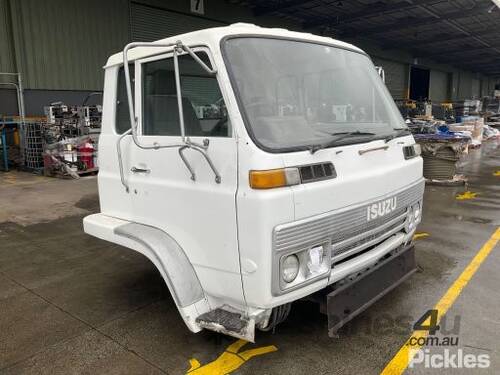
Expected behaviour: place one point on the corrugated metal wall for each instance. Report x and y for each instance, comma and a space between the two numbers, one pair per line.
438, 86
151, 23
485, 87
396, 76
476, 88
6, 50
490, 85
63, 44
464, 85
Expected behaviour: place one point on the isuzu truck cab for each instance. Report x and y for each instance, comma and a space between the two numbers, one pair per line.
255, 167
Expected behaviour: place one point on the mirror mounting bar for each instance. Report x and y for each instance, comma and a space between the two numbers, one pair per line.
209, 161
177, 48
381, 72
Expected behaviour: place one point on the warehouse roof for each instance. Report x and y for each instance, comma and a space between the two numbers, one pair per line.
463, 33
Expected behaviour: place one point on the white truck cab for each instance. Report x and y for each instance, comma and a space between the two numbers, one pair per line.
255, 167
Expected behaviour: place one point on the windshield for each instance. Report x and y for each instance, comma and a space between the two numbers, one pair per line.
295, 95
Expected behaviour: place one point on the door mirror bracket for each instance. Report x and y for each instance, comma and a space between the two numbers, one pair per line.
218, 178
177, 48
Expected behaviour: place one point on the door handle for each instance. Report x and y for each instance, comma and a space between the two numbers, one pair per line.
140, 170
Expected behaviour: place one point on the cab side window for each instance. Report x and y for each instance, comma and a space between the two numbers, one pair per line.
203, 107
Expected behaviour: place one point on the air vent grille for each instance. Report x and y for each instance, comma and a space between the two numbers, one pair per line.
317, 172
409, 152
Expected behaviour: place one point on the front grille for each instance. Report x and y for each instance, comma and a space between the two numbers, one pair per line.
359, 229
347, 229
368, 237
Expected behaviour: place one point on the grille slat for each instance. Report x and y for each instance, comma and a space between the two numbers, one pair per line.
366, 242
374, 232
344, 224
339, 232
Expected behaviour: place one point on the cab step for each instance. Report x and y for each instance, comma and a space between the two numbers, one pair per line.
232, 323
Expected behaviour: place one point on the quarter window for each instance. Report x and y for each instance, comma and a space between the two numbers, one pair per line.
122, 120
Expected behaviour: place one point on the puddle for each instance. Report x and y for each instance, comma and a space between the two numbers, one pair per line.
89, 202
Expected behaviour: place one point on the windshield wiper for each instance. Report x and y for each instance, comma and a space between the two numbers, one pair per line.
337, 138
398, 132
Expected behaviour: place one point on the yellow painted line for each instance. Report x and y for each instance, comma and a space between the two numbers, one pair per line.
465, 196
496, 173
400, 361
420, 235
228, 361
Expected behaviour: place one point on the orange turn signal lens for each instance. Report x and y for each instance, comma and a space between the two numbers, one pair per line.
274, 178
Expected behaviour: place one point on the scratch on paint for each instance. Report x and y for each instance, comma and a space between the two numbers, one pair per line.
465, 196
228, 361
418, 236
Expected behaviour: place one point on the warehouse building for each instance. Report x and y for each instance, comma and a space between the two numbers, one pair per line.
441, 51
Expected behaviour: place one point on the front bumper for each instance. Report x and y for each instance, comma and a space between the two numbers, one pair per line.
369, 258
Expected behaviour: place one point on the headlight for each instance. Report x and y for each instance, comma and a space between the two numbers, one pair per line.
417, 212
315, 262
410, 220
290, 268
413, 217
302, 267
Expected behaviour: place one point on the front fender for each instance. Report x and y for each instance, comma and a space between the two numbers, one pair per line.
165, 253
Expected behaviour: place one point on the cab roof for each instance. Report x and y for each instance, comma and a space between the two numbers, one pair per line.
212, 37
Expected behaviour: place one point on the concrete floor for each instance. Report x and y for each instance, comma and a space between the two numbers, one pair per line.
72, 304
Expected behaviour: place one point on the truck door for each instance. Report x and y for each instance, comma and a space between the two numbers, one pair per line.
176, 189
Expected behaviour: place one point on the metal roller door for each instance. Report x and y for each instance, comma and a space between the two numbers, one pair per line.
151, 23
396, 76
438, 91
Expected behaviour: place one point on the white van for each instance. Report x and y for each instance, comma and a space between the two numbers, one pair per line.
263, 166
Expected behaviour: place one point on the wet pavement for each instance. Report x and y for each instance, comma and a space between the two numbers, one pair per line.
70, 303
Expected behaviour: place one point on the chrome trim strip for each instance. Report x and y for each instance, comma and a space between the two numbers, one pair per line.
367, 244
383, 148
367, 259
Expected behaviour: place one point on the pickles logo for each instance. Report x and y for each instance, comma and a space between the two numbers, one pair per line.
381, 208
448, 359
438, 352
